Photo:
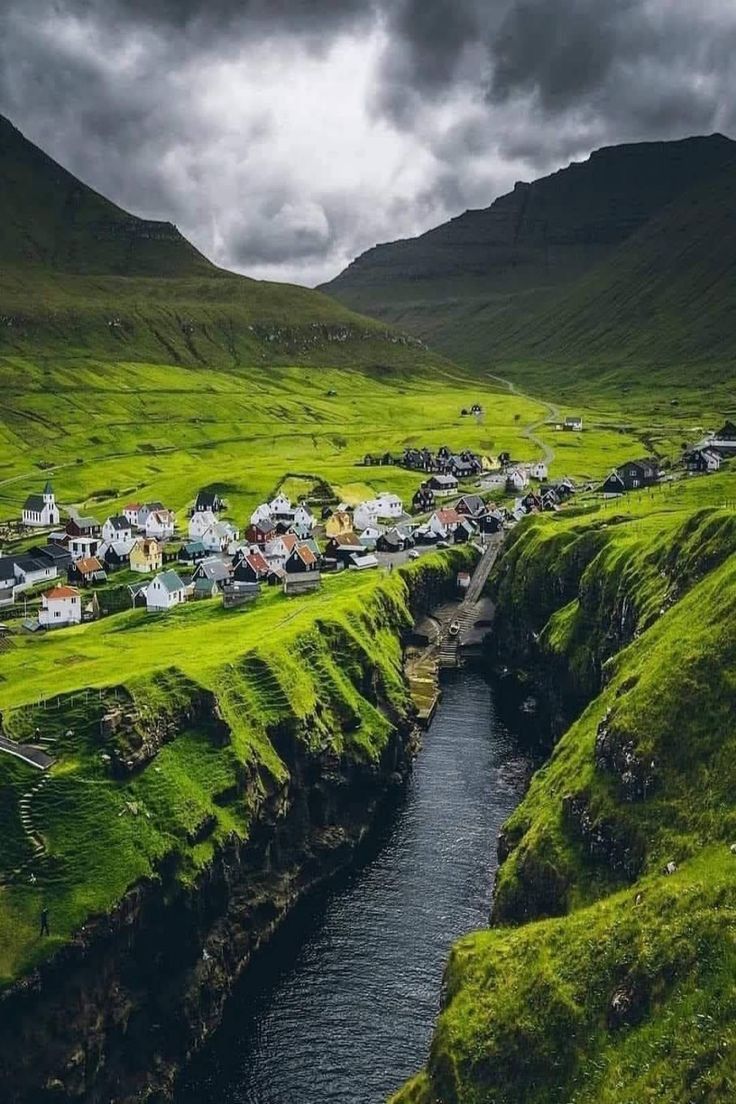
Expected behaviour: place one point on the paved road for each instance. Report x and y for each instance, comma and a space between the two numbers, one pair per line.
31, 755
553, 413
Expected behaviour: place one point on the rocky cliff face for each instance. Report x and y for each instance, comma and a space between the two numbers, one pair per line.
550, 229
611, 933
119, 1007
113, 1016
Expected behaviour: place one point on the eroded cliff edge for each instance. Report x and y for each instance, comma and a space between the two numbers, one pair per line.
606, 974
198, 817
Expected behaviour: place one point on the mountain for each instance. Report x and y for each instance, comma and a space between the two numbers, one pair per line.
52, 219
666, 297
79, 276
473, 285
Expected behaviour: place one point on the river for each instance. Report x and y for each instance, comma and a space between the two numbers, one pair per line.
340, 1009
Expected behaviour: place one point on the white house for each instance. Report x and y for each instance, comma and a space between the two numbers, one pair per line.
303, 518
389, 505
60, 606
165, 591
278, 550
365, 514
384, 506
200, 522
7, 581
131, 512
160, 524
444, 522
516, 480
538, 470
41, 511
280, 507
81, 547
117, 528
261, 513
30, 570
573, 423
301, 529
219, 537
369, 536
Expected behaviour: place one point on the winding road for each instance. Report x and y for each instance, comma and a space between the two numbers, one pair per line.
553, 413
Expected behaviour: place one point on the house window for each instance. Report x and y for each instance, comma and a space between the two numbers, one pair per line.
57, 613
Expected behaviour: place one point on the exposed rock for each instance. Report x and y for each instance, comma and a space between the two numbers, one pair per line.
615, 753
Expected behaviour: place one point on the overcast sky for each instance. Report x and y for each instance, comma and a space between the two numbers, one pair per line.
284, 137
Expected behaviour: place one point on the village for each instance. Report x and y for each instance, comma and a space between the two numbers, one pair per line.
68, 572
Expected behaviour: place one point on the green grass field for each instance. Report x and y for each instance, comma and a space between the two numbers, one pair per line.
108, 432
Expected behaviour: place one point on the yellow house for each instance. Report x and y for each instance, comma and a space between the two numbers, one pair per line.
489, 463
145, 556
338, 523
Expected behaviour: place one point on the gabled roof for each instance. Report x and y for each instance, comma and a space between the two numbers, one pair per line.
258, 562
147, 545
121, 548
88, 566
31, 563
205, 585
290, 541
170, 581
348, 540
214, 568
34, 503
206, 500
305, 554
163, 517
118, 522
473, 501
59, 593
450, 516
444, 480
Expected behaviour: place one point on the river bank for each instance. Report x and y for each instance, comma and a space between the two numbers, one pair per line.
347, 997
118, 1010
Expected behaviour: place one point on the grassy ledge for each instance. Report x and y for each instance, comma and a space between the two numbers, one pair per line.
169, 740
607, 974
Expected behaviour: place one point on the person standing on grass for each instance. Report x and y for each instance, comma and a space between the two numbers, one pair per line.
44, 930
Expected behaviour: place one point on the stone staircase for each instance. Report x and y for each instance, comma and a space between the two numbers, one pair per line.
449, 647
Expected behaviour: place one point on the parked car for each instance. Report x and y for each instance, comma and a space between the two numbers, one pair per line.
413, 554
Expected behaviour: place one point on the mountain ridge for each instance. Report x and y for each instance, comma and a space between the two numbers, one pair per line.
82, 277
473, 285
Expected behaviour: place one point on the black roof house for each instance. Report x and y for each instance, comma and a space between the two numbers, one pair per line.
208, 500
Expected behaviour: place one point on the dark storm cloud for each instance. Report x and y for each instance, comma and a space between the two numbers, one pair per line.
287, 135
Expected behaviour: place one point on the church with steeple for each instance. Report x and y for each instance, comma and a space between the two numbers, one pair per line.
41, 511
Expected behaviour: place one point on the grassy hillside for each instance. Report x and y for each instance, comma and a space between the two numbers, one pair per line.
110, 432
205, 727
664, 303
621, 264
623, 994
81, 277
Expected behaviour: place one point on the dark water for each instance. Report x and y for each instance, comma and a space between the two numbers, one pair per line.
340, 1009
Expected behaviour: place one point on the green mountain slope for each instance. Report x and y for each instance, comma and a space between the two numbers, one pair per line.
490, 286
79, 277
607, 975
667, 296
51, 219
